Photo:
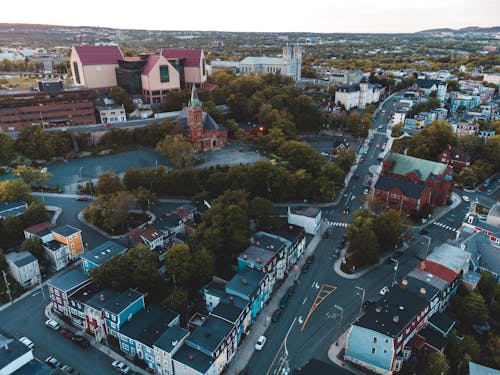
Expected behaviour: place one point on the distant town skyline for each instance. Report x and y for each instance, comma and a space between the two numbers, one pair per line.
321, 16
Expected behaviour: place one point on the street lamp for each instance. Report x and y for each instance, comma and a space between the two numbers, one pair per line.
362, 297
284, 359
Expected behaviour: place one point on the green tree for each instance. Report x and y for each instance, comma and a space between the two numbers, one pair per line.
32, 142
436, 364
177, 149
492, 150
7, 152
397, 130
492, 351
300, 155
177, 300
487, 286
121, 97
118, 206
262, 211
179, 261
145, 198
474, 309
345, 159
34, 246
109, 183
387, 226
35, 213
203, 268
432, 140
11, 231
3, 261
31, 176
14, 190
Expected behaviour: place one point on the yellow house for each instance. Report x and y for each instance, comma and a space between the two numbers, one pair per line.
71, 237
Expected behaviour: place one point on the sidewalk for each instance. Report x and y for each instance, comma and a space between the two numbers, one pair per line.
334, 351
263, 319
102, 348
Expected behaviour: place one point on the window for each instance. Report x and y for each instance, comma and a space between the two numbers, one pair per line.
72, 245
77, 72
164, 76
373, 350
374, 339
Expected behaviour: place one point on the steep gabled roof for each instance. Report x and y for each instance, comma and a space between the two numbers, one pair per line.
99, 55
191, 57
152, 60
408, 188
404, 164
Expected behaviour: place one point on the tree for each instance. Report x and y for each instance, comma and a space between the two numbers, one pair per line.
487, 286
11, 230
145, 198
32, 176
345, 159
387, 226
6, 148
178, 261
300, 155
177, 149
34, 246
262, 211
436, 364
397, 130
14, 190
364, 246
177, 300
121, 97
3, 261
492, 351
492, 150
203, 268
432, 140
118, 206
109, 183
474, 309
34, 214
32, 142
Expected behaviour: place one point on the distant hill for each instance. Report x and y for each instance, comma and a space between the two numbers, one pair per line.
469, 29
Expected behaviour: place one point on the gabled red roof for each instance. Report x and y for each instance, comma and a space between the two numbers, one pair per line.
152, 60
99, 55
438, 270
191, 57
35, 229
150, 233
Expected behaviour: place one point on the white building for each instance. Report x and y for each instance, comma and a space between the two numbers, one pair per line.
112, 113
24, 268
358, 95
290, 64
308, 218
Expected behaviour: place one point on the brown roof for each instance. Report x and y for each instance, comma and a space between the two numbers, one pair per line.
99, 55
150, 233
38, 228
191, 57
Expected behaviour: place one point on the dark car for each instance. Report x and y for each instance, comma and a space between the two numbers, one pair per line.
368, 302
340, 245
284, 301
324, 235
305, 268
346, 211
397, 254
67, 334
423, 231
310, 259
291, 289
276, 316
81, 341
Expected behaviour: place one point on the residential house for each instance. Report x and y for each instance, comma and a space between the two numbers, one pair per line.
166, 346
426, 86
378, 338
456, 157
216, 338
111, 113
152, 237
477, 369
238, 316
215, 292
200, 128
297, 238
158, 78
63, 286
94, 66
193, 362
253, 286
71, 237
138, 335
14, 355
100, 255
406, 183
24, 268
308, 218
358, 95
465, 128
485, 134
190, 65
12, 208
280, 246
56, 253
42, 230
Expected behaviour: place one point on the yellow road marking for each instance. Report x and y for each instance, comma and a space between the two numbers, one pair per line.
325, 291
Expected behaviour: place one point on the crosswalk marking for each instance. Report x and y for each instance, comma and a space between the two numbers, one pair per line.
338, 224
444, 226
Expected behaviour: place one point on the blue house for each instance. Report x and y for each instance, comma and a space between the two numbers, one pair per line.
13, 208
239, 317
138, 335
100, 255
251, 285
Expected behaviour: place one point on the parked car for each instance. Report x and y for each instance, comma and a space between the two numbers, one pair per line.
366, 191
68, 370
52, 324
81, 341
26, 341
284, 301
291, 289
82, 199
276, 316
340, 245
346, 211
52, 362
324, 235
368, 302
465, 198
305, 268
383, 291
260, 343
120, 367
67, 334
397, 254
310, 259
423, 231
108, 124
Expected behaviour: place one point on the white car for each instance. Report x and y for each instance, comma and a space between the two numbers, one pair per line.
383, 291
121, 367
366, 191
260, 343
52, 324
26, 341
466, 198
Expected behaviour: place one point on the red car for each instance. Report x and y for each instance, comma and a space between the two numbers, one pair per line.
108, 124
68, 334
82, 199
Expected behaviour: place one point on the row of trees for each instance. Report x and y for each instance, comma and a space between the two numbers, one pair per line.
371, 235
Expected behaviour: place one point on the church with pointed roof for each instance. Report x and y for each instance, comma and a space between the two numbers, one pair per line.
199, 127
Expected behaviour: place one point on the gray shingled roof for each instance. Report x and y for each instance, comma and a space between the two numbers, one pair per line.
409, 189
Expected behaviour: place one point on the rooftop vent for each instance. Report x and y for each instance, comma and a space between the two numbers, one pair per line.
404, 283
191, 356
395, 319
108, 250
244, 281
245, 256
174, 343
103, 253
422, 292
101, 297
401, 308
378, 309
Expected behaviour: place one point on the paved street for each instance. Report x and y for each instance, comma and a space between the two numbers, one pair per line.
26, 318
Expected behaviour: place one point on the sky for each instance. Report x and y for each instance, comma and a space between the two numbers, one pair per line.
324, 16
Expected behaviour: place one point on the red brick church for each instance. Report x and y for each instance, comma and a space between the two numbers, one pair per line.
200, 127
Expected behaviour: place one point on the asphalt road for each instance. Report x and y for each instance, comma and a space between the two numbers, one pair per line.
26, 318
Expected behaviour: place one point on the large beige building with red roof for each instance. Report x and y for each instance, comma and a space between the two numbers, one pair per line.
158, 77
190, 63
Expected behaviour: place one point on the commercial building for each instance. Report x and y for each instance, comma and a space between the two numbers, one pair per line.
111, 113
94, 66
289, 64
358, 95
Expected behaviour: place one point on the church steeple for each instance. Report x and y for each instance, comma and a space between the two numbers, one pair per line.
194, 101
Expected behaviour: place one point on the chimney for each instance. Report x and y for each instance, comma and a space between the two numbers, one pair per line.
245, 256
258, 261
422, 292
395, 319
404, 283
244, 281
257, 244
101, 297
231, 300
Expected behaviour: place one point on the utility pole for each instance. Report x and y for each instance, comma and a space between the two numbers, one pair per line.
362, 297
284, 359
340, 321
7, 285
